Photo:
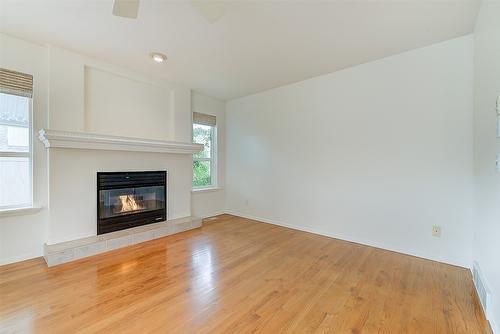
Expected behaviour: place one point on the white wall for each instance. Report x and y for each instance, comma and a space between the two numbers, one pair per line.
88, 95
376, 154
68, 95
106, 99
211, 202
124, 106
487, 146
21, 237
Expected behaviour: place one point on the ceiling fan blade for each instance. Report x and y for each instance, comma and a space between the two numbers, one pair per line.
210, 10
126, 8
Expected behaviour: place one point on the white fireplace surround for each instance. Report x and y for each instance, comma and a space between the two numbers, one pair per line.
75, 157
91, 141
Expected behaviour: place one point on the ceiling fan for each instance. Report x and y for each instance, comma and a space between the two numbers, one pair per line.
210, 10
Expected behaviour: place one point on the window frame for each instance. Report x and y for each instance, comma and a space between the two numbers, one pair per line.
212, 159
28, 154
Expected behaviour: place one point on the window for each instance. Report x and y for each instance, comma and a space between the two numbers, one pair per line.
15, 140
204, 162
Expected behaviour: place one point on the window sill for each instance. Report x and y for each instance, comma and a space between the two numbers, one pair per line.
19, 211
205, 190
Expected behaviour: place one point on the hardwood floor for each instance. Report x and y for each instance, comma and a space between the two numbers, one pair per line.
235, 275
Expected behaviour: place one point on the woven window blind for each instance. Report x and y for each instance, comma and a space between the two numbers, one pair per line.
204, 119
16, 83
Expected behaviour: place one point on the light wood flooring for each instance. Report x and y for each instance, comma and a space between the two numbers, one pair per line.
236, 275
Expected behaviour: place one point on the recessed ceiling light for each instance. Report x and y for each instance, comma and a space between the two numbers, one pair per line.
158, 57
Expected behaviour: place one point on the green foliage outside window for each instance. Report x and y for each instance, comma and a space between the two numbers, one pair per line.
201, 174
202, 134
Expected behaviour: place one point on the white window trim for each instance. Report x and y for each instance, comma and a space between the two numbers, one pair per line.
15, 154
25, 208
205, 190
213, 162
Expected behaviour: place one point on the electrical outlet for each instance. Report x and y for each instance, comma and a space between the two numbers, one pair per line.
436, 231
246, 202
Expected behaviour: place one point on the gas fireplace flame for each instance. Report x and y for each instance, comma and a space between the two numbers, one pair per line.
129, 203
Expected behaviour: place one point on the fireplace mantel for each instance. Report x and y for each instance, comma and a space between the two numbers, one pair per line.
91, 141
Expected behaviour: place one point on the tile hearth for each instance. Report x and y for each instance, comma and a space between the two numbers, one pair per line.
77, 249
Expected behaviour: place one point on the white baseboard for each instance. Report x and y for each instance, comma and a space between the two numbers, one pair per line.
494, 326
208, 215
352, 239
20, 258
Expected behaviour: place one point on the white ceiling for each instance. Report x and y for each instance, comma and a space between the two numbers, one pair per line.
255, 46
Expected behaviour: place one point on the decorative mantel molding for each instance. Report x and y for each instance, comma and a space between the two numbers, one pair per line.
90, 141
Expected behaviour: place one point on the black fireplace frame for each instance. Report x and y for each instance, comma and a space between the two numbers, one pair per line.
120, 180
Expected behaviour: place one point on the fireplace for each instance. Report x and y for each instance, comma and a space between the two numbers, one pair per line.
129, 199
